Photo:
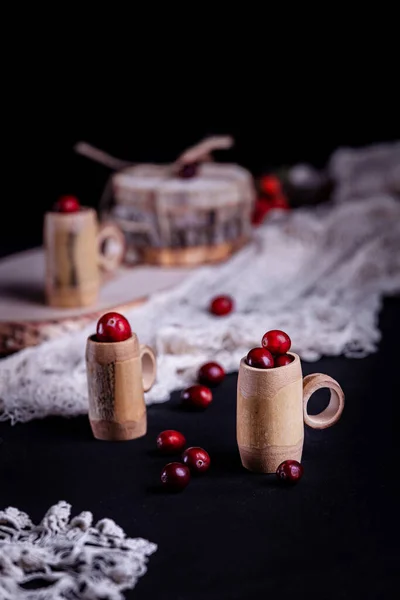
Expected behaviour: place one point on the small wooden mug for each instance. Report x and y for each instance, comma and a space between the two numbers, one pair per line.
118, 373
77, 249
272, 410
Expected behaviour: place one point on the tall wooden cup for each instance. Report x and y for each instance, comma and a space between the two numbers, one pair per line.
76, 251
118, 373
272, 410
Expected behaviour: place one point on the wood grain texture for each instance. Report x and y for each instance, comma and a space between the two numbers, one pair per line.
261, 461
111, 431
117, 410
72, 269
171, 220
333, 411
271, 413
204, 149
77, 251
149, 372
17, 335
168, 257
111, 247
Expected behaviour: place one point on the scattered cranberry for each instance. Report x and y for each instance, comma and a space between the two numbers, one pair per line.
188, 170
280, 201
290, 471
170, 441
261, 209
113, 327
67, 204
260, 358
270, 185
197, 459
175, 476
211, 374
221, 305
197, 396
276, 341
282, 360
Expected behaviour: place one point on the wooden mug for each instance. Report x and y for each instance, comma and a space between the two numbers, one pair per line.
118, 373
77, 249
272, 410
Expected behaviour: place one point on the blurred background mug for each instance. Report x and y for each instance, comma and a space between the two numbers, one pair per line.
272, 410
78, 251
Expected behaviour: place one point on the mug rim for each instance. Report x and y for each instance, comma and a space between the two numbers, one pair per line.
82, 209
92, 340
108, 352
296, 360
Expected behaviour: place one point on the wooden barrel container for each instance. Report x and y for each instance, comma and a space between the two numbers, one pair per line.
172, 221
118, 373
188, 212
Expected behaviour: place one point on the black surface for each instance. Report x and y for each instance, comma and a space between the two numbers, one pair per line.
232, 534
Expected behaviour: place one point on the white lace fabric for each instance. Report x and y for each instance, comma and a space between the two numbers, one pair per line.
366, 172
65, 558
320, 274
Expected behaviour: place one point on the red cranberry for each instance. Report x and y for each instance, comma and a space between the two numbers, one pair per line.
282, 360
260, 358
67, 204
270, 185
197, 459
211, 374
276, 341
261, 209
188, 170
175, 476
197, 396
290, 471
113, 327
221, 305
170, 441
280, 201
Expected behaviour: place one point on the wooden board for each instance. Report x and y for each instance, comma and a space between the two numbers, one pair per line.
25, 319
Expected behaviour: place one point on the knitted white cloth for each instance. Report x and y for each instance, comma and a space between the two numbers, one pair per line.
319, 274
366, 172
67, 558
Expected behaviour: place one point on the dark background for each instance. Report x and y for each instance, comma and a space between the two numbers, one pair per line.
146, 98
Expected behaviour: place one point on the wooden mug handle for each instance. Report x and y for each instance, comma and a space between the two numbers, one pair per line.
332, 413
149, 366
111, 243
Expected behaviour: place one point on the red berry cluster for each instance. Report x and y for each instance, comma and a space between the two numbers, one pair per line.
271, 196
273, 353
175, 476
199, 396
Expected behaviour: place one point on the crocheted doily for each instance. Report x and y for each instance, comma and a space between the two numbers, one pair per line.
64, 559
